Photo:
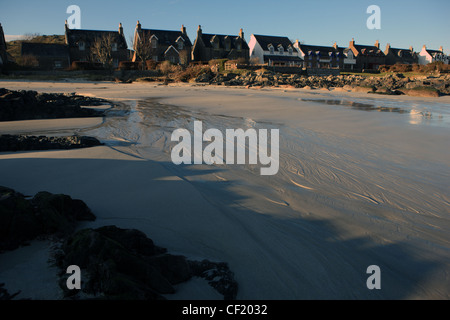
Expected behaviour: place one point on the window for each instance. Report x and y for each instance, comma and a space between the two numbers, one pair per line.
271, 49
115, 63
290, 51
58, 64
281, 49
81, 46
155, 58
154, 44
238, 46
114, 47
180, 45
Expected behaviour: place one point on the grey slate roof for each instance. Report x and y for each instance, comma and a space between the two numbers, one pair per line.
168, 37
206, 37
368, 50
74, 36
265, 41
321, 50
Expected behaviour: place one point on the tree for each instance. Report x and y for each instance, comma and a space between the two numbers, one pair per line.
101, 50
142, 48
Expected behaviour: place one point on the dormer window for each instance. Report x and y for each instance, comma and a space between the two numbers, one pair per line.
239, 46
81, 45
154, 41
281, 49
290, 50
180, 43
114, 47
271, 49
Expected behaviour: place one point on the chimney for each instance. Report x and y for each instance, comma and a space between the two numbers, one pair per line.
441, 49
138, 26
424, 47
241, 34
199, 31
120, 29
377, 44
335, 46
67, 25
352, 43
183, 29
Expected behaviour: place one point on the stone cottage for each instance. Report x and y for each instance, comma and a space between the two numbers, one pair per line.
363, 57
46, 56
163, 45
216, 46
400, 56
80, 42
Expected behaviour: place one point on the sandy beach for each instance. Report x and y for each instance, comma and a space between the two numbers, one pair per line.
363, 180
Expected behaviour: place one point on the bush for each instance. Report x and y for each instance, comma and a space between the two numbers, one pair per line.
151, 64
129, 65
85, 65
191, 72
220, 63
166, 67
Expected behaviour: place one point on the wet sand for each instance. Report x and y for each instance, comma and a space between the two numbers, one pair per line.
363, 181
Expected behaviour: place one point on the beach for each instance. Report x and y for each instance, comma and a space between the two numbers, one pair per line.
363, 180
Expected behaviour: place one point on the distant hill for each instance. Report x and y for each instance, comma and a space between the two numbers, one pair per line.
13, 47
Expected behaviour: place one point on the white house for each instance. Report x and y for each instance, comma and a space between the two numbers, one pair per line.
274, 51
427, 56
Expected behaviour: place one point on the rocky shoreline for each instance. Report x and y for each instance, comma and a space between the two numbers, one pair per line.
117, 264
30, 105
392, 84
13, 143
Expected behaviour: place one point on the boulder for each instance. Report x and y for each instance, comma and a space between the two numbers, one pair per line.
23, 220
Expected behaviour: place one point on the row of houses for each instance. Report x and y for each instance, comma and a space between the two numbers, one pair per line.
176, 47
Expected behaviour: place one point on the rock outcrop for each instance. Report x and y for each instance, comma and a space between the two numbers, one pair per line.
23, 220
391, 84
123, 264
28, 105
30, 143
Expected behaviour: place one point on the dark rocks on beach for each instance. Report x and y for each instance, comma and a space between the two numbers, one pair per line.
5, 295
28, 105
29, 143
390, 84
124, 264
23, 220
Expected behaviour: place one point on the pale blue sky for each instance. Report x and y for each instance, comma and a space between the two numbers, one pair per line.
403, 22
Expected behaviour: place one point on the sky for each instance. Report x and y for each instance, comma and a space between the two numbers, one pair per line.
404, 23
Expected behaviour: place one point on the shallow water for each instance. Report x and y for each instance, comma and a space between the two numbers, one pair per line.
431, 113
342, 201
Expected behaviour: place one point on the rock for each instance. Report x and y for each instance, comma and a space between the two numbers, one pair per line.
362, 89
28, 105
23, 220
18, 222
421, 92
218, 276
28, 143
122, 264
4, 294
